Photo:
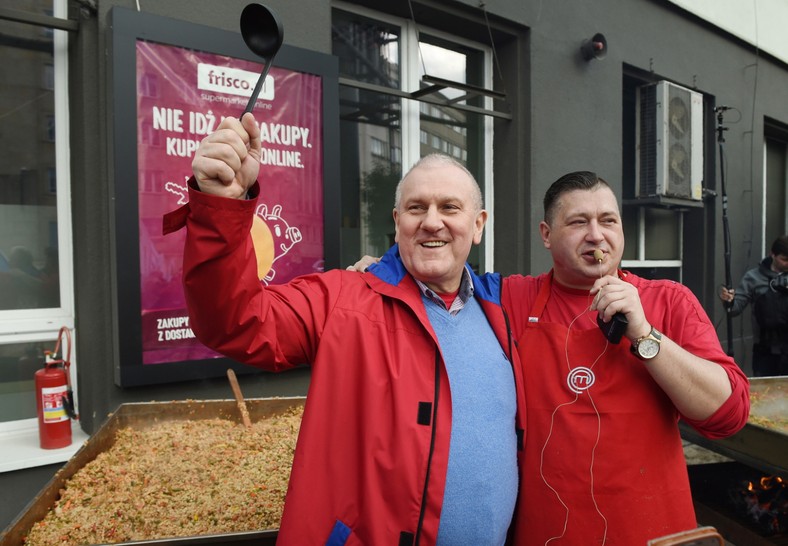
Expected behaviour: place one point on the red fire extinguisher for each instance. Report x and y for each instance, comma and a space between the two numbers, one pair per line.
54, 397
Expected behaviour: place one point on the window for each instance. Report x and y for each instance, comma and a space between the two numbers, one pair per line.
149, 86
776, 184
384, 130
50, 129
18, 364
378, 147
153, 181
49, 76
151, 136
654, 242
35, 219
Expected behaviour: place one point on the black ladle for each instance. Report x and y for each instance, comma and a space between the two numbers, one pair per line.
263, 33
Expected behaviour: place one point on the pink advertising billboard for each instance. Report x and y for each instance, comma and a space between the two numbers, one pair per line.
180, 95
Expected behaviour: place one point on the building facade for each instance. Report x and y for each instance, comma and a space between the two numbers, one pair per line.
678, 113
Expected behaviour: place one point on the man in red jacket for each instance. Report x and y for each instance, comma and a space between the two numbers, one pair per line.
411, 428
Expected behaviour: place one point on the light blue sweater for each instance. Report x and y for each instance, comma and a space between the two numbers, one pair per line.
481, 481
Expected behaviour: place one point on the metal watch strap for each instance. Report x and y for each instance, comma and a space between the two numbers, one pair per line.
654, 335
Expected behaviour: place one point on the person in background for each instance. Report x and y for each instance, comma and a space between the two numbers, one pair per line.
410, 428
603, 453
766, 288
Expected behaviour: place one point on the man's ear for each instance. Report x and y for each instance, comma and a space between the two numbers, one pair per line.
544, 230
395, 214
481, 220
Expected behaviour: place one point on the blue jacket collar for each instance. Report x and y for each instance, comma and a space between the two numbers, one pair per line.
391, 270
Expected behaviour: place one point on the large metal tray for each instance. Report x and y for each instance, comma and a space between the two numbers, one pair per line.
141, 416
756, 445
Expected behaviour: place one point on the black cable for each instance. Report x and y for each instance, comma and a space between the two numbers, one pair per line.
726, 232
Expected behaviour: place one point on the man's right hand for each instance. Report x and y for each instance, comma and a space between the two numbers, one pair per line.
227, 161
726, 294
362, 265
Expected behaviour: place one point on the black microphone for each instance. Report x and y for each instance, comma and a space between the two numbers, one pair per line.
613, 329
722, 108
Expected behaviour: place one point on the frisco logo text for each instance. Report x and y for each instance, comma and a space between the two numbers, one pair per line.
233, 81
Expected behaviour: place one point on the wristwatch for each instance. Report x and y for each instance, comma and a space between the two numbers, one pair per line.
647, 347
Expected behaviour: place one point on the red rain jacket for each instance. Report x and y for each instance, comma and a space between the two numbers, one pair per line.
370, 463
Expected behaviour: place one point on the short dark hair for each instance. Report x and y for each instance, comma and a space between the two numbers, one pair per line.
780, 246
578, 180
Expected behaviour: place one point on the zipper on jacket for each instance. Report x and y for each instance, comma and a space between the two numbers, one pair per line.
432, 446
519, 431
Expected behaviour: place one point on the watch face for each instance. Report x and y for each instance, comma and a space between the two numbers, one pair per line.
648, 348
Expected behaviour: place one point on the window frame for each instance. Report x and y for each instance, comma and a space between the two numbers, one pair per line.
33, 325
641, 262
24, 321
775, 136
410, 65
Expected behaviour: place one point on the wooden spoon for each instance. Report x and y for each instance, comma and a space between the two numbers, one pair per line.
239, 397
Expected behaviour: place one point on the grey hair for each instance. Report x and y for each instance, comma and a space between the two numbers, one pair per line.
437, 160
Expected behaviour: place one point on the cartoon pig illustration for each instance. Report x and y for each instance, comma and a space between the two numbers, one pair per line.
273, 237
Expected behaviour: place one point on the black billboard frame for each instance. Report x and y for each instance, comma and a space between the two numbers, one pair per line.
126, 28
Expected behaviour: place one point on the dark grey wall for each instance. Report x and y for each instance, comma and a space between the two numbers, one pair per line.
574, 121
567, 115
577, 106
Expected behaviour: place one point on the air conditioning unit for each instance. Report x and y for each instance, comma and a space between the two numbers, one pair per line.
670, 142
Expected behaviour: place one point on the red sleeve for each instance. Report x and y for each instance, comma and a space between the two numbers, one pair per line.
732, 415
677, 312
230, 310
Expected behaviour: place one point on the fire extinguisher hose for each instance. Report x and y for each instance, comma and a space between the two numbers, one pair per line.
68, 399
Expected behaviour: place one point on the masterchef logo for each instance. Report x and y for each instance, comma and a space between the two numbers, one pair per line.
232, 81
580, 379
